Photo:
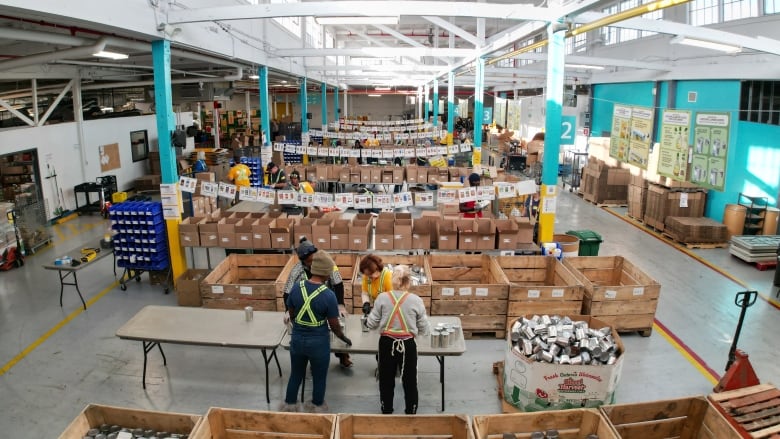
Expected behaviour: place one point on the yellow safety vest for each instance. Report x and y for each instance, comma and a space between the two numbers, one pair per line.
306, 310
381, 283
397, 315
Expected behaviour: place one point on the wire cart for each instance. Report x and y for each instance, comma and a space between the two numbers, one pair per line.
573, 162
140, 242
30, 221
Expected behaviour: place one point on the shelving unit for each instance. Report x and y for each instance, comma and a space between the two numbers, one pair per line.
754, 216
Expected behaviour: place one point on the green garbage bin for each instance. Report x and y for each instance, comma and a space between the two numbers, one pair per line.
589, 241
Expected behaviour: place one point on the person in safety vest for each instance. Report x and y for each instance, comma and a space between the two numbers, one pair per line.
294, 185
277, 179
302, 271
314, 313
376, 280
400, 316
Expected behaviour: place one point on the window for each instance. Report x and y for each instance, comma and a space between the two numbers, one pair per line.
655, 15
703, 12
313, 33
736, 9
609, 33
139, 145
292, 24
760, 102
771, 7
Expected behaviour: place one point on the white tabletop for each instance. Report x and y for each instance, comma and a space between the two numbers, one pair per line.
204, 327
368, 342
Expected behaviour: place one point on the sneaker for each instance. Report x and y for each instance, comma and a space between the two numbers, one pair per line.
284, 407
309, 407
345, 361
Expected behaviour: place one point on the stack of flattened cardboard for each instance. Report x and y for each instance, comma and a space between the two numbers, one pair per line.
695, 230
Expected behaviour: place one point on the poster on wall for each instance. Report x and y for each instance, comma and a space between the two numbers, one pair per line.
710, 148
109, 157
621, 130
641, 136
673, 149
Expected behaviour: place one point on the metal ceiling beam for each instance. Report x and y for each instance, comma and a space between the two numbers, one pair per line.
398, 35
352, 8
375, 52
375, 68
438, 21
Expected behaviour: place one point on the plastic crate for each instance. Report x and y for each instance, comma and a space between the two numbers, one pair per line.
589, 241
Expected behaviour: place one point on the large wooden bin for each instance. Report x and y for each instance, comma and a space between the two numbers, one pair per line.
472, 287
617, 292
423, 290
574, 423
685, 418
93, 416
540, 285
222, 423
244, 280
403, 427
347, 263
751, 411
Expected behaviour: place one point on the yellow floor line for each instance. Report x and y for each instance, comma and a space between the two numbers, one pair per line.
685, 250
54, 330
686, 354
58, 232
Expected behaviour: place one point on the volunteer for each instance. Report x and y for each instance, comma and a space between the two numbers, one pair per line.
400, 316
239, 175
470, 209
302, 271
376, 279
277, 179
313, 308
296, 186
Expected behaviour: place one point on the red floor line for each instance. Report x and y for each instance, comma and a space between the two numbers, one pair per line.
688, 350
706, 263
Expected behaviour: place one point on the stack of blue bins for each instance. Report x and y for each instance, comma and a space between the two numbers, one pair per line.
256, 166
140, 241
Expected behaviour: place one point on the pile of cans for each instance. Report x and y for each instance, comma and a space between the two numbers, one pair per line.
559, 340
106, 431
444, 335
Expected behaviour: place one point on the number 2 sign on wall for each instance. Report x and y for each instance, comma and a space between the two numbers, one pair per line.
568, 129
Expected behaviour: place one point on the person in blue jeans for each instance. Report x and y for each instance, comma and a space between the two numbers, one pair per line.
314, 312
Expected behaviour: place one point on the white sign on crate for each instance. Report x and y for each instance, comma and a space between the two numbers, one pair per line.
300, 149
467, 194
505, 190
289, 147
322, 151
322, 199
333, 152
376, 153
423, 199
387, 154
266, 195
227, 190
287, 197
433, 150
209, 189
465, 147
402, 199
311, 150
486, 193
278, 146
408, 152
422, 152
453, 149
398, 152
188, 184
447, 195
305, 200
363, 202
383, 201
344, 200
246, 193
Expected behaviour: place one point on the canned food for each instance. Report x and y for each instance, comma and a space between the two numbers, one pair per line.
444, 339
435, 339
249, 313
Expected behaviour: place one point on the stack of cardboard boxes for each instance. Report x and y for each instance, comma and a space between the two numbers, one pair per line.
637, 196
602, 184
663, 202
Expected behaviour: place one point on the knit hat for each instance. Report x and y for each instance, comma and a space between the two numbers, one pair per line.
322, 264
305, 248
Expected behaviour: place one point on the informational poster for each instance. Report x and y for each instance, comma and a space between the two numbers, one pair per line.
621, 130
632, 134
673, 149
710, 148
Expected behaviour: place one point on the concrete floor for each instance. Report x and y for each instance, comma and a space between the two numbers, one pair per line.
57, 360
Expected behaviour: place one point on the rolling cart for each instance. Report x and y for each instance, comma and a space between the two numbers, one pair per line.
574, 161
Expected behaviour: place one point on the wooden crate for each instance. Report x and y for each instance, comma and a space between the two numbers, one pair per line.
753, 412
240, 278
540, 285
617, 292
472, 287
423, 290
691, 418
222, 423
403, 427
347, 263
93, 416
574, 423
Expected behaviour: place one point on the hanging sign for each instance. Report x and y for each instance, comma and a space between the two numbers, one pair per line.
710, 149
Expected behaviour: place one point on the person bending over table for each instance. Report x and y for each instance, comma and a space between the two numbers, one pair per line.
313, 308
277, 179
302, 271
400, 316
376, 280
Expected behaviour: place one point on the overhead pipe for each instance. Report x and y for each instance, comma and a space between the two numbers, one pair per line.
47, 57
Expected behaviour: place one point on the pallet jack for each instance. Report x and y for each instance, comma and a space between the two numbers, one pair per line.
739, 371
13, 257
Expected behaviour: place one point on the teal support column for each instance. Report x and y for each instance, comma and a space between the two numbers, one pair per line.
479, 92
425, 99
552, 130
336, 111
304, 107
451, 103
265, 109
166, 124
435, 102
324, 106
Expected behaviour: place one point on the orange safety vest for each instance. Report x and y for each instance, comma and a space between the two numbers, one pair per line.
397, 315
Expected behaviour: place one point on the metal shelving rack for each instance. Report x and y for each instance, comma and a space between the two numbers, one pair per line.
32, 223
754, 216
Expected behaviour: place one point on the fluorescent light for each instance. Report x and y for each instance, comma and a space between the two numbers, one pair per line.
358, 20
722, 47
585, 66
382, 88
374, 96
110, 55
253, 77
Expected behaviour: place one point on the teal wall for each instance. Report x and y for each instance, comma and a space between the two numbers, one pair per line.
753, 162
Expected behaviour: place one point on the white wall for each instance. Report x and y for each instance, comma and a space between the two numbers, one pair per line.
58, 150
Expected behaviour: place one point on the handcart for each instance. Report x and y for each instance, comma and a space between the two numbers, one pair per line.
573, 162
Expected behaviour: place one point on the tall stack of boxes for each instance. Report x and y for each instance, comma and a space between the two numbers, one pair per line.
603, 184
664, 202
637, 196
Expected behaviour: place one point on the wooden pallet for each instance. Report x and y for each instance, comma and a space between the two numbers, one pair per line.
693, 245
754, 411
611, 204
498, 371
647, 332
639, 220
479, 333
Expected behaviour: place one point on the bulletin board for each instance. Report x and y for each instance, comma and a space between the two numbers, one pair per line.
109, 157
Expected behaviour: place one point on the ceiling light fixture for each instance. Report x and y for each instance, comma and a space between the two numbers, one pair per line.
254, 77
374, 95
704, 44
382, 88
393, 19
585, 66
110, 55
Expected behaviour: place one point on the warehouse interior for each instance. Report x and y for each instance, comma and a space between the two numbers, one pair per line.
365, 59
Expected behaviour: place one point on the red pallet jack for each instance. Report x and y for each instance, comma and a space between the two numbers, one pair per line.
739, 371
13, 257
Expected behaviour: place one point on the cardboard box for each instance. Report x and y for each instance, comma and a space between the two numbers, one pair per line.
534, 386
339, 235
281, 236
402, 232
244, 235
359, 233
506, 234
365, 174
207, 229
422, 232
411, 174
188, 287
376, 175
486, 234
447, 234
303, 227
387, 176
384, 234
525, 231
467, 234
261, 232
398, 175
189, 236
226, 230
321, 232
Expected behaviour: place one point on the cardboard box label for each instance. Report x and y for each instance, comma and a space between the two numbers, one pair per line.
639, 291
610, 294
481, 292
464, 291
448, 291
534, 294
217, 289
557, 292
245, 290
